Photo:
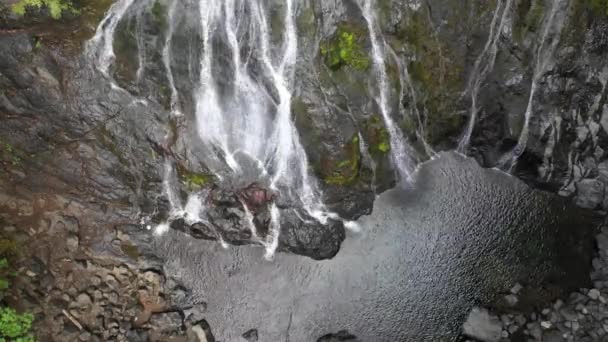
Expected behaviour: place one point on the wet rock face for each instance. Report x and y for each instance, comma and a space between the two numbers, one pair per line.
68, 129
243, 217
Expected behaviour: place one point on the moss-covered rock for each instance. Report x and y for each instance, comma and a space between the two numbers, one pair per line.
378, 138
437, 75
192, 180
345, 49
344, 172
159, 14
61, 23
55, 7
529, 17
129, 250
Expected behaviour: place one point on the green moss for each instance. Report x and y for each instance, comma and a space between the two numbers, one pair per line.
129, 250
378, 138
344, 49
55, 7
436, 73
529, 17
346, 172
598, 7
158, 13
7, 247
125, 47
107, 140
193, 180
9, 155
15, 327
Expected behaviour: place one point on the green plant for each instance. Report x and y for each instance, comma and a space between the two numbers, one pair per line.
15, 327
344, 49
379, 138
598, 6
3, 281
193, 180
55, 7
346, 171
158, 12
9, 154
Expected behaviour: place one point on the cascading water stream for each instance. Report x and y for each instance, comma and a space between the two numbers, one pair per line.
100, 47
242, 110
483, 66
542, 57
407, 87
166, 54
400, 150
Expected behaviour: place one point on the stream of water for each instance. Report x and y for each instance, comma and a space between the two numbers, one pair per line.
400, 151
551, 31
243, 107
484, 65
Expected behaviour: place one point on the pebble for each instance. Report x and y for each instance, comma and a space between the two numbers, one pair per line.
558, 304
546, 324
594, 294
72, 242
516, 288
568, 314
83, 300
511, 300
483, 326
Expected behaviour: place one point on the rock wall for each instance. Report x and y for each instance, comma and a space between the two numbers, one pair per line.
68, 130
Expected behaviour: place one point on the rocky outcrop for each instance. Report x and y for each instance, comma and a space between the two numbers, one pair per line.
70, 129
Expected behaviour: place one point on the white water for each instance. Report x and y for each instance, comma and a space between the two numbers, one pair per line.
406, 84
400, 150
175, 109
483, 66
100, 47
543, 57
242, 104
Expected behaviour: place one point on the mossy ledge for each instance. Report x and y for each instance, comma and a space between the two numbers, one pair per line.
345, 49
56, 8
378, 137
193, 180
345, 172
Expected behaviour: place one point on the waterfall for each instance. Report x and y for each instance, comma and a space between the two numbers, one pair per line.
100, 47
406, 84
483, 66
542, 58
166, 54
400, 151
242, 109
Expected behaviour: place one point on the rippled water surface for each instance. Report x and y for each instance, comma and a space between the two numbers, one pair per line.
459, 236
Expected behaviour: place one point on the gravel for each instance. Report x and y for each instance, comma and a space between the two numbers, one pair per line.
582, 317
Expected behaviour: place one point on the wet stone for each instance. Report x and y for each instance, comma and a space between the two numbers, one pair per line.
483, 326
594, 294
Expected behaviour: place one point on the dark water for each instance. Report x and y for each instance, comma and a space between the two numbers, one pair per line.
458, 237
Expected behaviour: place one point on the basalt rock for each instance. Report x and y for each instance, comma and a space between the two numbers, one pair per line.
70, 129
227, 219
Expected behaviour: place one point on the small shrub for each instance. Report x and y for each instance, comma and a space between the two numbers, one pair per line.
344, 49
15, 327
55, 7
